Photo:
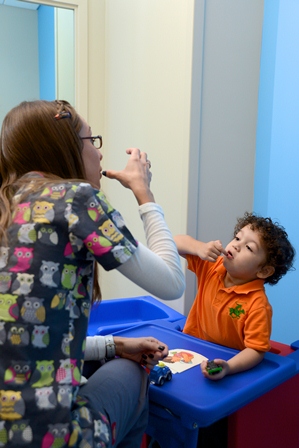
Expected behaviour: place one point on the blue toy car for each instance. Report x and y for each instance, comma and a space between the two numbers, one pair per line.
159, 374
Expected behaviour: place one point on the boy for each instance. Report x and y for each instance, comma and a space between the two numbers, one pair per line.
231, 307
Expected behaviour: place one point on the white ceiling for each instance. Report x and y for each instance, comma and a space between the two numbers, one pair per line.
19, 4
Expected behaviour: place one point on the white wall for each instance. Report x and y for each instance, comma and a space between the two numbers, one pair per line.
65, 54
179, 79
148, 50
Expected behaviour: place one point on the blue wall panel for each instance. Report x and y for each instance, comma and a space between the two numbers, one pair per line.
277, 157
46, 50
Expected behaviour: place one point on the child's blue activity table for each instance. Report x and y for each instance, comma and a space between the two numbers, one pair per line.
117, 314
190, 401
262, 403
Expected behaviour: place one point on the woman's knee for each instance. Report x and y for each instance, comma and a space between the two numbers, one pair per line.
129, 373
118, 376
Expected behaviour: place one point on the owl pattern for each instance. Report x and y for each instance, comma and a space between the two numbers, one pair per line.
121, 253
84, 414
71, 329
4, 252
72, 307
59, 299
64, 396
49, 274
9, 310
68, 277
55, 191
57, 435
79, 290
45, 398
101, 431
5, 281
43, 212
18, 373
20, 433
65, 344
23, 283
110, 231
85, 308
74, 245
48, 235
68, 372
97, 244
3, 434
23, 257
22, 213
71, 218
40, 337
18, 335
33, 310
104, 203
12, 405
43, 375
117, 219
2, 333
27, 233
94, 209
46, 274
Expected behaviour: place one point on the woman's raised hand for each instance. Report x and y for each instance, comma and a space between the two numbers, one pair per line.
136, 175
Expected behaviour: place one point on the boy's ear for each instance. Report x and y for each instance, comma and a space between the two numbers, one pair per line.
265, 272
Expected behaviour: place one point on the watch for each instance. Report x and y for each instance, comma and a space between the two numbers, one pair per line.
110, 346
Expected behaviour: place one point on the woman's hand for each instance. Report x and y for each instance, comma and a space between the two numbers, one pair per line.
147, 351
136, 176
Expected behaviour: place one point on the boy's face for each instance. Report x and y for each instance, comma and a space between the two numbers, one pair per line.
246, 257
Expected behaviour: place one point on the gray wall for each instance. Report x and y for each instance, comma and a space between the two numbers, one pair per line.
226, 67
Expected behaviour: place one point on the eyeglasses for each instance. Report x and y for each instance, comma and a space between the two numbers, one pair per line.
96, 140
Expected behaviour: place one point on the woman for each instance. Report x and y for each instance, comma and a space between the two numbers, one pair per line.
55, 224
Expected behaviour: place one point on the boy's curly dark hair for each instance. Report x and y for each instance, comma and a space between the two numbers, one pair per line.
279, 251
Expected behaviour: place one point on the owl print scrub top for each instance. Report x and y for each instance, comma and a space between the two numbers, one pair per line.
46, 278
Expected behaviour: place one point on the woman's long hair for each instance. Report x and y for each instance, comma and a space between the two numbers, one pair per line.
40, 136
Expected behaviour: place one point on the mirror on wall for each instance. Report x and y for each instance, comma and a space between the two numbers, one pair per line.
37, 53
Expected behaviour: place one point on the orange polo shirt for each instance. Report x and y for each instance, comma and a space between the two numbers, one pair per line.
236, 317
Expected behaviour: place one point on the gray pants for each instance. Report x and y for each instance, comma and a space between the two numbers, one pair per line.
119, 390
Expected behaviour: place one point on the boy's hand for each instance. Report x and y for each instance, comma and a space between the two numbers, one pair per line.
215, 376
187, 245
211, 251
243, 360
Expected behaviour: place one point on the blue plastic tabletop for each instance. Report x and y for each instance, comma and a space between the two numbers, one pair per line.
199, 401
117, 314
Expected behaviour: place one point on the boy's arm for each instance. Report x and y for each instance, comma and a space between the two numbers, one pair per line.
187, 245
244, 360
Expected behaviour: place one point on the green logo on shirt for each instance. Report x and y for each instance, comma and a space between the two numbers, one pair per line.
236, 312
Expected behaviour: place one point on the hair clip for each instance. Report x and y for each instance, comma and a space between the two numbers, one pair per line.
62, 115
